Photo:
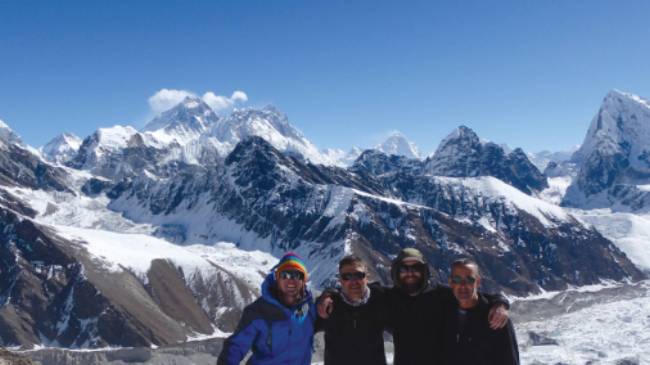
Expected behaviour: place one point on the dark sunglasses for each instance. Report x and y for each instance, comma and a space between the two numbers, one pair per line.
410, 268
460, 280
292, 275
358, 275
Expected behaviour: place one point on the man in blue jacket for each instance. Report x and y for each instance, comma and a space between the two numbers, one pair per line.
279, 326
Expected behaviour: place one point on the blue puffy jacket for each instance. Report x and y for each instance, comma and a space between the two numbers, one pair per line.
275, 333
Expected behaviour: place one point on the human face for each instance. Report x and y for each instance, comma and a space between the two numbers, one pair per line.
354, 280
290, 286
410, 275
464, 282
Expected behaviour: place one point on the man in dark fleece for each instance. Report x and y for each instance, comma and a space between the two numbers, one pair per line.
355, 327
467, 339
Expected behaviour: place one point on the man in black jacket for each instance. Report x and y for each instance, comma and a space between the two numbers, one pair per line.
468, 339
355, 327
416, 316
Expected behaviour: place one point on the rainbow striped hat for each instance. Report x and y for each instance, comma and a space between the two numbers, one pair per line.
290, 261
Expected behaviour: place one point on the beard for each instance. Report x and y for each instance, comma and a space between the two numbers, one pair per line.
412, 287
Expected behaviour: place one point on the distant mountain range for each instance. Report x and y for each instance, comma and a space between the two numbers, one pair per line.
150, 237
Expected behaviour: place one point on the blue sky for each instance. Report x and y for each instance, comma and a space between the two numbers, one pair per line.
526, 73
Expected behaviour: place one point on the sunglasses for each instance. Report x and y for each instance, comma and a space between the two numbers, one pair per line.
292, 275
404, 269
460, 280
358, 275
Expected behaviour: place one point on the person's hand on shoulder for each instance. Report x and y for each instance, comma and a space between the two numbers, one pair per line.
498, 316
325, 304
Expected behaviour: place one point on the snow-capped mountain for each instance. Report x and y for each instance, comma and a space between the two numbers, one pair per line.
61, 148
614, 159
463, 154
191, 117
101, 145
397, 144
153, 237
340, 158
189, 133
7, 136
22, 166
268, 123
323, 213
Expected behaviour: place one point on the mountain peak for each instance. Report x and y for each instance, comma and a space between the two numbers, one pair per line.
61, 148
462, 137
615, 153
7, 134
620, 96
270, 124
190, 115
398, 144
621, 127
463, 154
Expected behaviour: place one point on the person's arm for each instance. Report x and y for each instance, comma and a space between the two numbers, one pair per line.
240, 342
499, 305
325, 303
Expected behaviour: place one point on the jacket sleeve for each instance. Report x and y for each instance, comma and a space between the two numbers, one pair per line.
508, 350
240, 342
496, 299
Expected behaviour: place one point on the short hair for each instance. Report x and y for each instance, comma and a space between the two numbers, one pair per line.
352, 260
466, 261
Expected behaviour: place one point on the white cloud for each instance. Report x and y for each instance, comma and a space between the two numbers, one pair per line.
166, 99
220, 102
239, 95
216, 102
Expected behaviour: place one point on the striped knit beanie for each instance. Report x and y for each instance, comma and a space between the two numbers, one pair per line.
290, 261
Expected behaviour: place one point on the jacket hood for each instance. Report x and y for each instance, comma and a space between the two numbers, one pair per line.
297, 312
410, 254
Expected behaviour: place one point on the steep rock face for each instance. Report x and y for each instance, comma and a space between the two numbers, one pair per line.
614, 162
55, 292
521, 233
523, 243
99, 146
20, 167
7, 136
120, 152
463, 154
52, 296
376, 163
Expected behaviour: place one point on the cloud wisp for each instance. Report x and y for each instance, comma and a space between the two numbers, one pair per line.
165, 99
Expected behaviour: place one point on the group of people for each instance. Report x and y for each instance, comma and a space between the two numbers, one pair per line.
430, 324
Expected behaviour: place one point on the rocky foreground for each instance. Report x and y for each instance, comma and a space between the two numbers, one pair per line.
10, 358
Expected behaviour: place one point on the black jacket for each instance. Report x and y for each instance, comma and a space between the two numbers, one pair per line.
469, 340
355, 335
417, 323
